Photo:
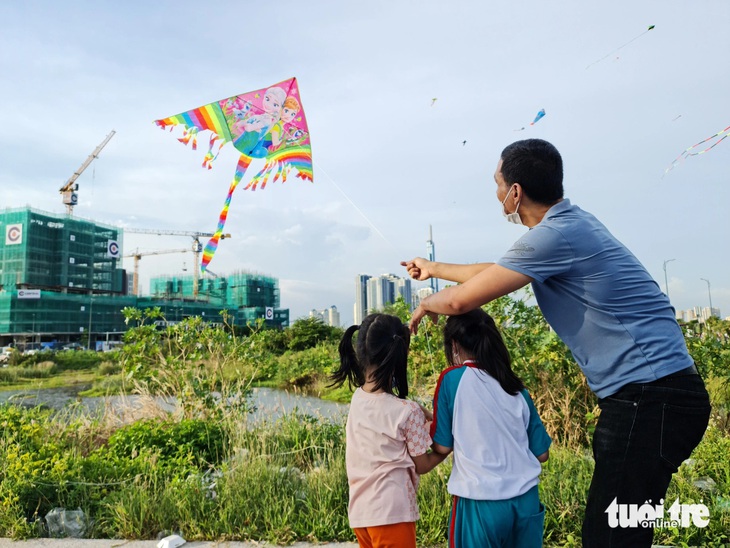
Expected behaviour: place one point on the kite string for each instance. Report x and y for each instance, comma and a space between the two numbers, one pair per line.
620, 47
375, 228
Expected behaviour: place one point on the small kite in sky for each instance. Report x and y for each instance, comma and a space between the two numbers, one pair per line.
267, 123
462, 144
719, 137
538, 117
620, 47
433, 101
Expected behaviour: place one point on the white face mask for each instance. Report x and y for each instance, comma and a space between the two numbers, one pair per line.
511, 217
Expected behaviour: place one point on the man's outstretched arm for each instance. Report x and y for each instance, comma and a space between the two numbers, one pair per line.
489, 284
423, 269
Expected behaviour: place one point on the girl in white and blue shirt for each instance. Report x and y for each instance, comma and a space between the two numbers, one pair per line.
483, 413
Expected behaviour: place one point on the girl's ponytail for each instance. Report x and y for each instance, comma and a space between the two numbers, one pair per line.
349, 370
390, 356
381, 355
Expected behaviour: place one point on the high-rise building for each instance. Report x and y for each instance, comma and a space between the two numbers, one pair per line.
373, 293
381, 291
51, 252
333, 316
329, 316
61, 279
421, 294
698, 314
247, 296
361, 298
431, 252
403, 289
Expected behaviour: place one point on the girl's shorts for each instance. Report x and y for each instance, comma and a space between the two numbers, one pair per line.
395, 535
516, 522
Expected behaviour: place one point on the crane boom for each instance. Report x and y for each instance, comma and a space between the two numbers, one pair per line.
197, 246
69, 196
138, 255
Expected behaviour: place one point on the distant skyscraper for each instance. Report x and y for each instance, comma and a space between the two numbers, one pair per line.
333, 316
698, 314
431, 250
421, 294
373, 293
403, 289
381, 291
360, 309
329, 316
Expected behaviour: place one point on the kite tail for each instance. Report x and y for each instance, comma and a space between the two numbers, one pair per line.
210, 248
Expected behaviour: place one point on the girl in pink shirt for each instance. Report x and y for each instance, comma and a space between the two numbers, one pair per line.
387, 436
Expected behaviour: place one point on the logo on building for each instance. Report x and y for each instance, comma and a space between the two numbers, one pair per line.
14, 234
269, 313
647, 515
112, 249
29, 293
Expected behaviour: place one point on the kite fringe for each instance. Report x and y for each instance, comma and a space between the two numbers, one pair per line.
209, 156
188, 135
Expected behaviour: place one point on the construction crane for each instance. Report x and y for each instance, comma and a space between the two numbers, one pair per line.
70, 198
197, 246
138, 255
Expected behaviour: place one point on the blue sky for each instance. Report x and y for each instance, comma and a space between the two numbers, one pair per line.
387, 163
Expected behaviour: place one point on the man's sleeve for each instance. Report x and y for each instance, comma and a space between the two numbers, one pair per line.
540, 253
537, 436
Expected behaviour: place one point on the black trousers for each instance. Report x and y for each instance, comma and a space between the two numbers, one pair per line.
643, 434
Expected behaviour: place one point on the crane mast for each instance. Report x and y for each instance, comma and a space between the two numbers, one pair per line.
70, 198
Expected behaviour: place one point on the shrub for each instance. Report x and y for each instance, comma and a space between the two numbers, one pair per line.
202, 441
304, 368
68, 360
109, 368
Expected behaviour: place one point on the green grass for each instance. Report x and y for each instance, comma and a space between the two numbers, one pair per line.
280, 481
57, 380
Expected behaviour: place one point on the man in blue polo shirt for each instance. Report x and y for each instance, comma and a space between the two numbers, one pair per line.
619, 326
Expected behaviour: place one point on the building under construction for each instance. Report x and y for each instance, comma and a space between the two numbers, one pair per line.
61, 280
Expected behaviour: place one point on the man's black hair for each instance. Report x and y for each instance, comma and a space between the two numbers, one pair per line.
537, 166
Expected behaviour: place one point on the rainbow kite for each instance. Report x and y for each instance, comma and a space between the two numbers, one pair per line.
720, 136
267, 123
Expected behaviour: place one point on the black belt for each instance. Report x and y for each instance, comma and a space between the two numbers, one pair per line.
691, 370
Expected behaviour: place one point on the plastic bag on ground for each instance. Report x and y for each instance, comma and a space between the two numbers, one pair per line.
66, 523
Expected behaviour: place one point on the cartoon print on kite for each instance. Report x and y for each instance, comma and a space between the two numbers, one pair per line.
267, 123
720, 136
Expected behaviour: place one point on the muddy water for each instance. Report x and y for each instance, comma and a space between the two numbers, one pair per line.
269, 403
